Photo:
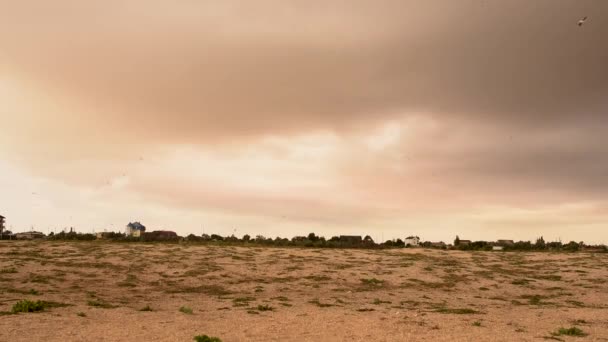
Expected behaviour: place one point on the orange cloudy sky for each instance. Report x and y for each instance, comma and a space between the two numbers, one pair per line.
482, 118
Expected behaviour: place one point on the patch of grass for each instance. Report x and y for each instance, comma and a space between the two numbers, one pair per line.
318, 278
265, 307
552, 277
366, 309
205, 338
242, 301
536, 299
378, 302
319, 304
520, 282
101, 304
372, 281
459, 311
31, 306
573, 331
146, 308
8, 270
476, 324
212, 290
576, 303
186, 310
81, 314
484, 289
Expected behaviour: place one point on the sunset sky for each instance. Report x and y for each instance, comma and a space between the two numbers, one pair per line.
482, 118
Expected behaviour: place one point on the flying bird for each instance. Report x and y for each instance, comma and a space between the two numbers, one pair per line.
582, 21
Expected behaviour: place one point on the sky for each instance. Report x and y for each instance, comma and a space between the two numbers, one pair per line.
485, 119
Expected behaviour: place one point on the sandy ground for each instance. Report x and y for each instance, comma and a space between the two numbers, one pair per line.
310, 294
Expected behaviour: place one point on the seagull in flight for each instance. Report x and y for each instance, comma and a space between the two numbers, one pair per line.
582, 21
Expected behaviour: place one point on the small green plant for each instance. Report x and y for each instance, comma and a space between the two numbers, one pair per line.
573, 331
186, 310
477, 324
28, 306
81, 314
205, 338
33, 292
146, 308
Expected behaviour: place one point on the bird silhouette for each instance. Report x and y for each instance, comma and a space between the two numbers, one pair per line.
582, 21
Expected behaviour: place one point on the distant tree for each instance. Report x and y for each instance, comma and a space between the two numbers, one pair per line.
399, 243
246, 237
540, 243
260, 238
572, 246
368, 238
312, 237
457, 241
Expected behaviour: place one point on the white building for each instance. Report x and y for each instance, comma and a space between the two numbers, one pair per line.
497, 248
135, 229
412, 241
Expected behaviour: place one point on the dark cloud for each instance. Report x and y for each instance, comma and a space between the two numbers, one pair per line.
198, 71
515, 92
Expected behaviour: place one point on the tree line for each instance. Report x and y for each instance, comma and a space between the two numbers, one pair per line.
313, 240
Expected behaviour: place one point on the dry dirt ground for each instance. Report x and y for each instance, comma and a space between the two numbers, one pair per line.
290, 294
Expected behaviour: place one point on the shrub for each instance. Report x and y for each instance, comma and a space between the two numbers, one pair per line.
146, 308
186, 310
28, 306
573, 331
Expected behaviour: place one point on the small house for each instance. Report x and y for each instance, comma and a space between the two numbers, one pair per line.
29, 235
412, 241
497, 248
135, 229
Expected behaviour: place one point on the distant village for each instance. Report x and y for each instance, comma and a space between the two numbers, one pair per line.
136, 231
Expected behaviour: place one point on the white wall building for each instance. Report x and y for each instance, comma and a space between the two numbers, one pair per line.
412, 241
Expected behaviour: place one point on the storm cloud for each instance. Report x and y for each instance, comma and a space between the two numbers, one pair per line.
325, 111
